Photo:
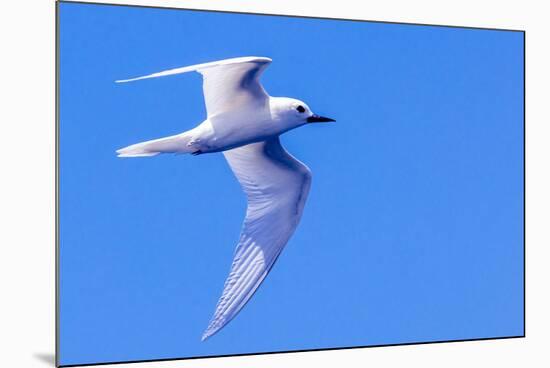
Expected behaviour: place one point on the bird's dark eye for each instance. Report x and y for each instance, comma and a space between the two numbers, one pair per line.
301, 109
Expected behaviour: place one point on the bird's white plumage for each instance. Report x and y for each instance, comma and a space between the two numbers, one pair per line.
244, 123
228, 85
276, 187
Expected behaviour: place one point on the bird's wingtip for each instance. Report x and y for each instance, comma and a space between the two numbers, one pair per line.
211, 330
205, 336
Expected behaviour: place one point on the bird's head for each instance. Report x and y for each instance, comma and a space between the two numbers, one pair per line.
296, 113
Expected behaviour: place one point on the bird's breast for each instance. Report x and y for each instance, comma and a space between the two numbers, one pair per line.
231, 131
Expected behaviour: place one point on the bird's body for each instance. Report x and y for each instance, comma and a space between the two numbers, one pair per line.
245, 123
223, 132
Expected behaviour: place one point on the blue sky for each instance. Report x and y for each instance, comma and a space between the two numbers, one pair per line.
413, 230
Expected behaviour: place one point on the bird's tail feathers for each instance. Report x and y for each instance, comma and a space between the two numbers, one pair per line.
173, 144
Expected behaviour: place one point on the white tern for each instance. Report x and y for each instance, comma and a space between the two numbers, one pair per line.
244, 123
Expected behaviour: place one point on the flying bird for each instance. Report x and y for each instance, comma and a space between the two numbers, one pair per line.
244, 123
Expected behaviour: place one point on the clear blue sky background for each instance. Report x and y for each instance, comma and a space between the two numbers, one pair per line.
413, 230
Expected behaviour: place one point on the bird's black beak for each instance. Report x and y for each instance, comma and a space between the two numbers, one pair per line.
318, 119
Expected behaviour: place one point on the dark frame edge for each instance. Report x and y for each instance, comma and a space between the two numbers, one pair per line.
289, 16
296, 351
524, 186
56, 185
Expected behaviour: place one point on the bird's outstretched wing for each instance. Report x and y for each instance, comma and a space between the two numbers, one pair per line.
276, 187
228, 85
